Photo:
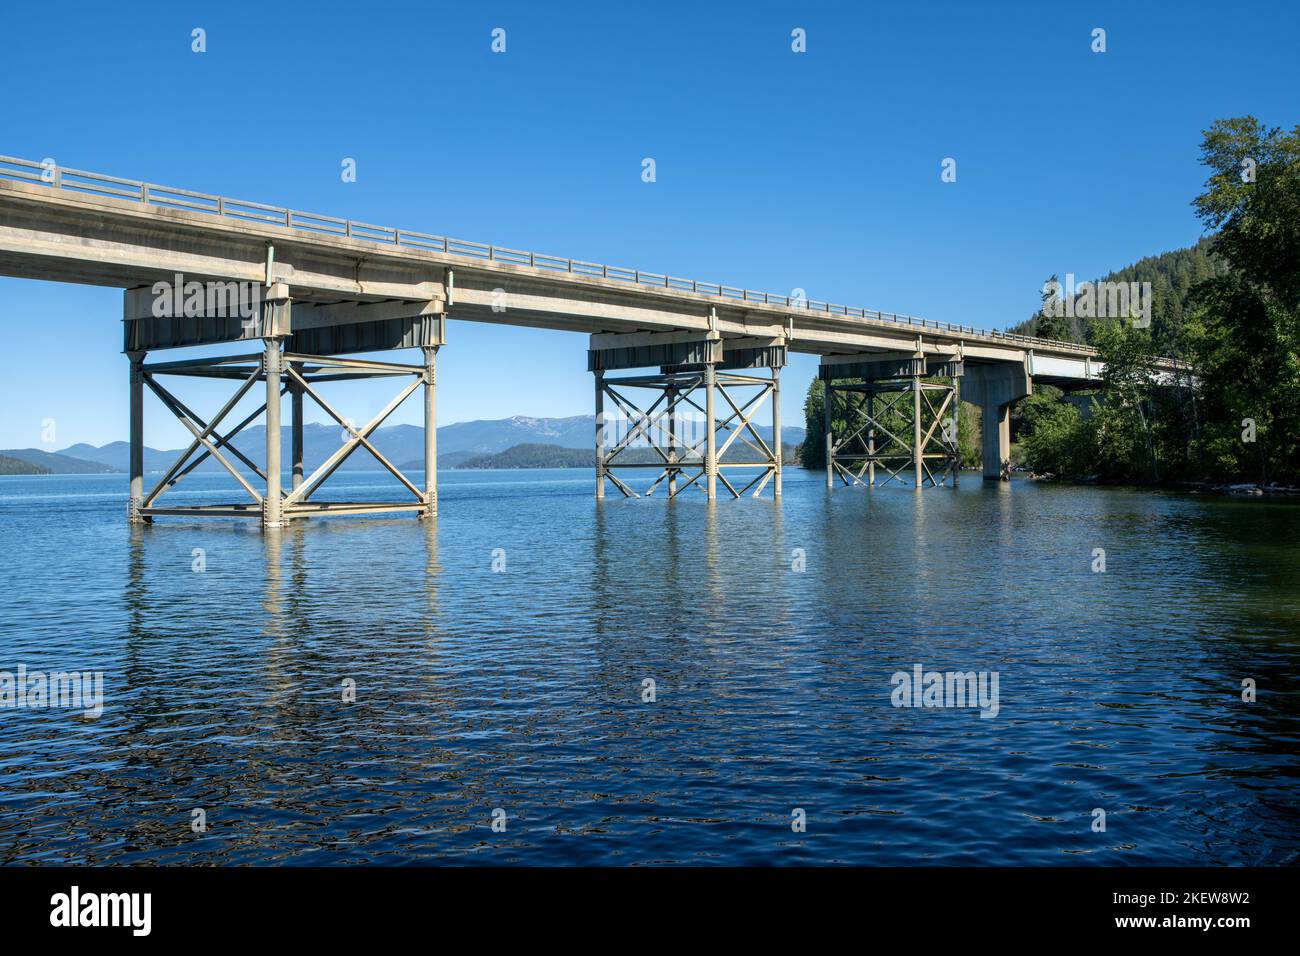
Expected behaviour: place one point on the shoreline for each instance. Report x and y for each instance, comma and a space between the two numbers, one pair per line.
1225, 489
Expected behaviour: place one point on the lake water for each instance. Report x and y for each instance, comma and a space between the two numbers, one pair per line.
521, 689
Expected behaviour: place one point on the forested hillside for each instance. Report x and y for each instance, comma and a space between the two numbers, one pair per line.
1172, 275
16, 466
1236, 415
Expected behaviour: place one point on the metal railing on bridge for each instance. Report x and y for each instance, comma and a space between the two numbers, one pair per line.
98, 184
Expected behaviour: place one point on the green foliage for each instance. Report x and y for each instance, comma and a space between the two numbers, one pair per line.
1059, 442
1026, 414
1229, 308
1137, 426
1245, 337
812, 453
968, 435
1124, 427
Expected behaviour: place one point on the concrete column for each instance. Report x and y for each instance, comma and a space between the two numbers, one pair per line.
711, 436
776, 429
828, 397
430, 431
994, 388
272, 504
600, 434
295, 424
997, 441
917, 451
137, 438
871, 437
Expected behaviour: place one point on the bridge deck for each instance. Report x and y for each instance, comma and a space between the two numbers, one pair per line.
68, 225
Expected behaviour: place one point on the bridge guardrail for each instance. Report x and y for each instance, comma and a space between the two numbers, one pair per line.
79, 181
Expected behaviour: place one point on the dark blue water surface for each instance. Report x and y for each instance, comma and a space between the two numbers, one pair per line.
522, 689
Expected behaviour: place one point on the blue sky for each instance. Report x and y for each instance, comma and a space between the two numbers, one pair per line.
775, 170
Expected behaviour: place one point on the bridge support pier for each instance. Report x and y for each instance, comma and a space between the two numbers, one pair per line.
272, 501
889, 398
954, 429
299, 351
871, 439
650, 432
710, 430
430, 380
918, 447
137, 439
600, 439
777, 447
274, 506
994, 388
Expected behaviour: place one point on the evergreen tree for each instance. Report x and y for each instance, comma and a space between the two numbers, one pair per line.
1050, 322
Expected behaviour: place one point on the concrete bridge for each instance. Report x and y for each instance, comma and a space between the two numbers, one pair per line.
319, 289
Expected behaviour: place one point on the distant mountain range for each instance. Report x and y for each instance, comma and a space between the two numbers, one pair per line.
488, 437
401, 444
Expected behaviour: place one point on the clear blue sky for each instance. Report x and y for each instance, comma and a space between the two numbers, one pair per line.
775, 170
